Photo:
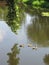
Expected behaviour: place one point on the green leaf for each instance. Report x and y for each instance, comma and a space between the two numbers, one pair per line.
25, 0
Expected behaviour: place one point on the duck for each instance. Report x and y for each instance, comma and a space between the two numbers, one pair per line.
21, 45
35, 47
29, 45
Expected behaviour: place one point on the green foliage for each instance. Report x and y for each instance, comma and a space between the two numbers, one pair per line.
11, 10
45, 5
25, 0
36, 3
16, 10
45, 13
15, 14
41, 3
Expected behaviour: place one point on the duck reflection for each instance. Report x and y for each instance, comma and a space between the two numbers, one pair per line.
13, 59
38, 31
46, 59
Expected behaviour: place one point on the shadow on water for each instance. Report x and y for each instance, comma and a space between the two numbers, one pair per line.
13, 59
38, 31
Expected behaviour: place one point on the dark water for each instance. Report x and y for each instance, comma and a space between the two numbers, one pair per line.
31, 32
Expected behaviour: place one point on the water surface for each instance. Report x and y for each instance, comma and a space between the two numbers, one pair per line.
35, 31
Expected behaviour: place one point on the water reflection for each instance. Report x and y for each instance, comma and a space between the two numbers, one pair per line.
2, 34
3, 13
13, 59
46, 59
38, 31
13, 18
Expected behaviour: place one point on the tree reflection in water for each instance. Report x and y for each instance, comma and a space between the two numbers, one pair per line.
15, 14
46, 59
38, 31
13, 59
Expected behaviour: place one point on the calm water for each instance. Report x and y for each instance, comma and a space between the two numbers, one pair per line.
35, 31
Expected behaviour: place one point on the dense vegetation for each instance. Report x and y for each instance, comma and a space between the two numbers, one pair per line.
16, 9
